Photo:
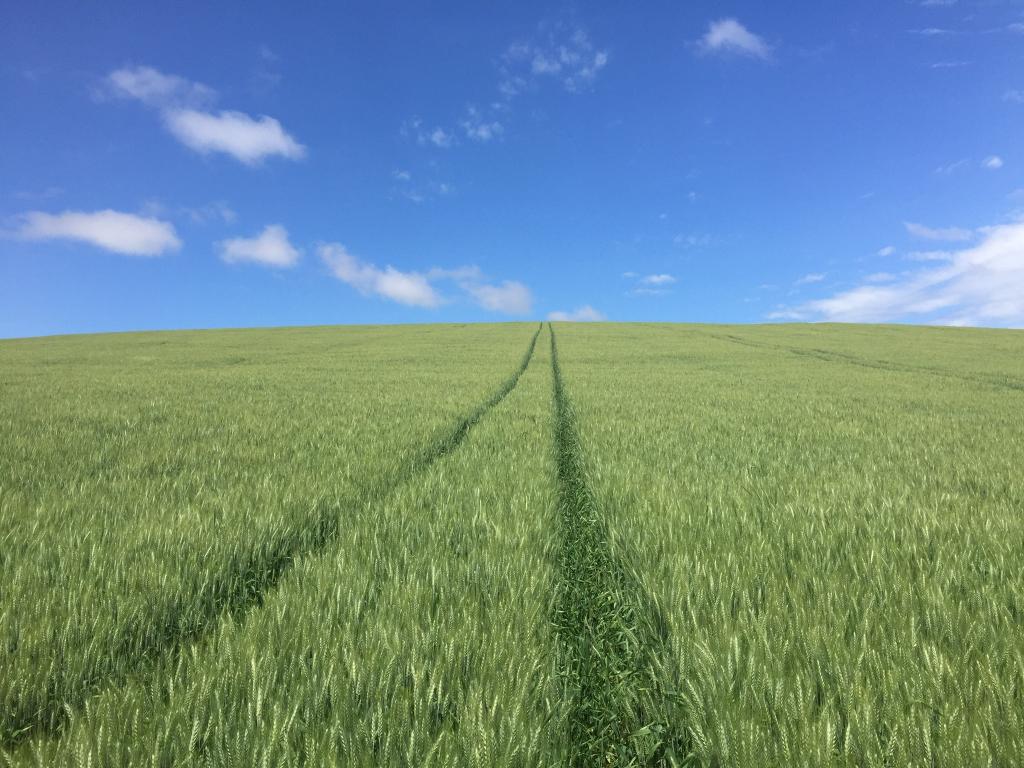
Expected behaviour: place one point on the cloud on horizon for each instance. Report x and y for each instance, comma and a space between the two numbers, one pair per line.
417, 289
584, 314
982, 284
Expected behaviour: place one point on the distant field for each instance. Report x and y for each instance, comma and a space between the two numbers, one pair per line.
513, 545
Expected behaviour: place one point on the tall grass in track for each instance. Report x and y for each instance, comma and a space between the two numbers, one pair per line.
837, 545
420, 637
152, 483
613, 638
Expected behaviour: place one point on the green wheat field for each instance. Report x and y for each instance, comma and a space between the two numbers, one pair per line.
513, 545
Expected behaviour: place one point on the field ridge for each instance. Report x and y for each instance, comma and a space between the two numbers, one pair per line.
244, 588
615, 658
833, 356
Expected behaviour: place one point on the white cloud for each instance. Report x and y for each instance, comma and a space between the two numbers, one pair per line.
217, 211
929, 256
509, 298
478, 128
993, 162
152, 87
814, 277
584, 314
417, 289
657, 280
880, 277
649, 285
410, 288
114, 231
559, 52
693, 241
566, 55
439, 138
980, 285
886, 251
181, 104
270, 248
729, 36
946, 170
235, 133
948, 234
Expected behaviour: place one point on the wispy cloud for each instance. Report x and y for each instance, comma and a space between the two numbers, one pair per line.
557, 53
1014, 97
979, 285
945, 170
888, 250
729, 36
584, 314
560, 52
437, 136
418, 289
124, 233
992, 162
650, 285
157, 89
693, 241
47, 193
661, 279
269, 248
814, 277
217, 211
418, 191
508, 298
183, 106
479, 128
947, 234
880, 277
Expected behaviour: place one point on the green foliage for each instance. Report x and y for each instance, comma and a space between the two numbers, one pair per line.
154, 482
830, 519
649, 545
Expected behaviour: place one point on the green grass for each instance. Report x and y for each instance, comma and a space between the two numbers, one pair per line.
836, 544
153, 482
484, 545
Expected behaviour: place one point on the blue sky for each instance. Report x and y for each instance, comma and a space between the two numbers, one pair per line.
203, 165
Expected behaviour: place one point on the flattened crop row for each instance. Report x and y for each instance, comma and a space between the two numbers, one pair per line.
613, 638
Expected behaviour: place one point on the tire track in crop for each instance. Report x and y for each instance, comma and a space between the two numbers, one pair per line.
242, 588
615, 660
831, 356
